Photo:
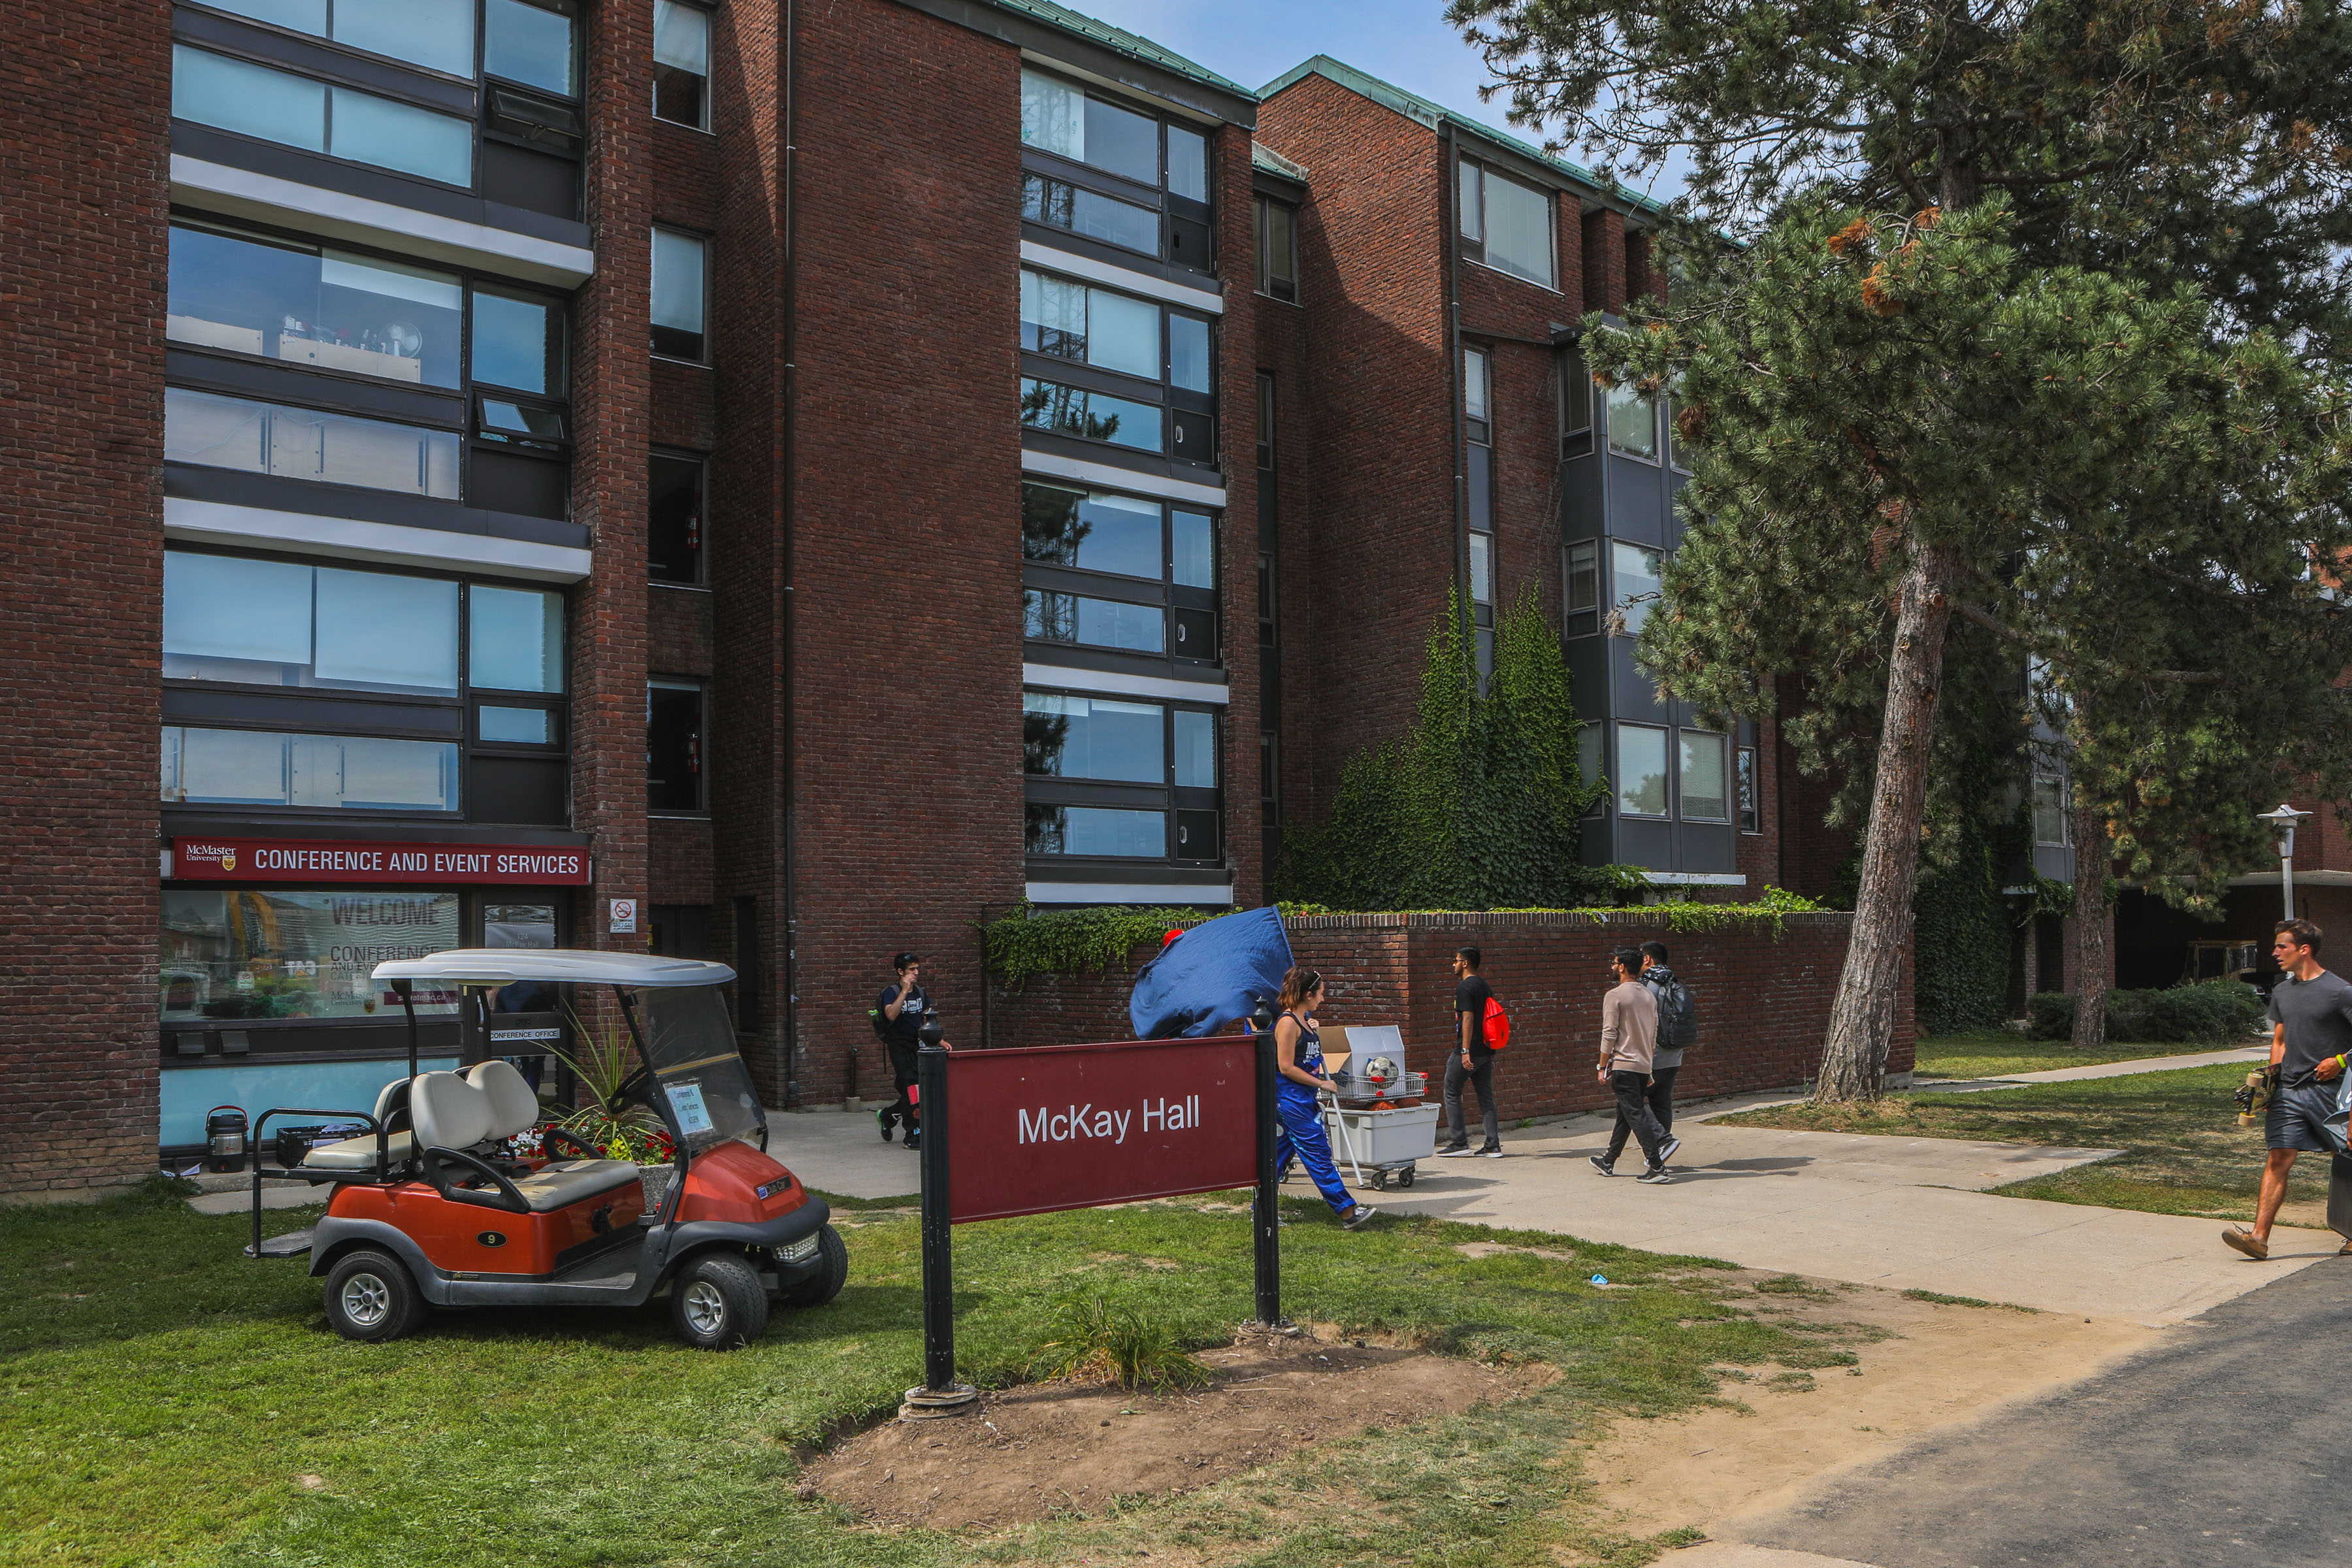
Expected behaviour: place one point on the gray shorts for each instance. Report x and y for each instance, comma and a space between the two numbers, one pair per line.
2298, 1118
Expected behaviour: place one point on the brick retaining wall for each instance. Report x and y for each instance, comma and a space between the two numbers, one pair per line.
1763, 998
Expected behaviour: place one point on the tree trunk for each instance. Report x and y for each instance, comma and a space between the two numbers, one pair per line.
1862, 1021
2089, 923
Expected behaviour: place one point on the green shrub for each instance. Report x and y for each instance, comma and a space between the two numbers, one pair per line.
1116, 1344
2217, 1012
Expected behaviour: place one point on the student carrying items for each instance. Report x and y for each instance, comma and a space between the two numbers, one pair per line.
899, 1021
1298, 1091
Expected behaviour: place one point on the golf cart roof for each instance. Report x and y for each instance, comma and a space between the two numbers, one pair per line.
505, 965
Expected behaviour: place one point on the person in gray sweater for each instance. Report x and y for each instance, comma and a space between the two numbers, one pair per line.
1629, 1035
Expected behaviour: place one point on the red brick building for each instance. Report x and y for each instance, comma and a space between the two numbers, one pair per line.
766, 481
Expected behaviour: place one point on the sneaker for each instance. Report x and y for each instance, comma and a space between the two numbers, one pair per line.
914, 1141
1606, 1167
884, 1118
1668, 1150
1451, 1149
2247, 1242
1491, 1151
1356, 1219
1655, 1176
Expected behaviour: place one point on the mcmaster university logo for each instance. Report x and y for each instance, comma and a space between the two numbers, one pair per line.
221, 855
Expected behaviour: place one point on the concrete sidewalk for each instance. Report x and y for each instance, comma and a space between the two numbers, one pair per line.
2102, 1069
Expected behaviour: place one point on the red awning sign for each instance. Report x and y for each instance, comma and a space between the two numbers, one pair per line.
1065, 1127
343, 860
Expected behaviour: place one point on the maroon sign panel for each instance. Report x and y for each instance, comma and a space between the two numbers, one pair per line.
1067, 1127
326, 859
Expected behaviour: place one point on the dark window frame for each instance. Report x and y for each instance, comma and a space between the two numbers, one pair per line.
702, 100
1176, 599
1274, 284
700, 543
1473, 244
701, 355
1183, 409
1185, 223
1748, 791
1043, 791
698, 745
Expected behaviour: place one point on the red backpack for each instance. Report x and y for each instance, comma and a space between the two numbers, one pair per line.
1496, 1025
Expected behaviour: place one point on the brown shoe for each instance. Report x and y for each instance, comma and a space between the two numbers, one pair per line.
2346, 1247
2247, 1242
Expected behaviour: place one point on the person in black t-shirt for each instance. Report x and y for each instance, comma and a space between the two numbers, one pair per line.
2310, 1034
1471, 1060
905, 1009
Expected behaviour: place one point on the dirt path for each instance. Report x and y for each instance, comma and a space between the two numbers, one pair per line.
1031, 1451
1918, 1366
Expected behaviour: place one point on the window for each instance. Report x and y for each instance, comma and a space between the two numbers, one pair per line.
1482, 570
247, 437
280, 953
349, 773
1588, 764
320, 117
314, 306
528, 41
1277, 249
1582, 600
1092, 326
1119, 572
674, 748
677, 301
1478, 491
435, 34
1269, 771
1636, 568
1113, 171
675, 499
1120, 779
1264, 421
1575, 402
1632, 423
276, 623
514, 639
1641, 770
1703, 778
1267, 612
2050, 804
1506, 224
1091, 415
681, 64
1750, 808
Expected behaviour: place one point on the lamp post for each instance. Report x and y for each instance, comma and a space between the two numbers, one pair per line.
2283, 822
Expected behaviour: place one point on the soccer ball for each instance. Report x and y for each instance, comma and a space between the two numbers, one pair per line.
1381, 1070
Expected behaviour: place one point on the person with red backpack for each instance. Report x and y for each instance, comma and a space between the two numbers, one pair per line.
1483, 1029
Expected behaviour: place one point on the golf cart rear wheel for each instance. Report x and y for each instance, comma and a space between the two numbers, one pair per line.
371, 1297
717, 1302
826, 1284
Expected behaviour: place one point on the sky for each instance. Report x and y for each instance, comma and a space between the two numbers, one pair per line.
1405, 42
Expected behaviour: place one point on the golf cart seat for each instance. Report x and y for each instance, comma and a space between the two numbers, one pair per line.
357, 1155
494, 1101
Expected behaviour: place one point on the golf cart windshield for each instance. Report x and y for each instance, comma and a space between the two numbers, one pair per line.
698, 1074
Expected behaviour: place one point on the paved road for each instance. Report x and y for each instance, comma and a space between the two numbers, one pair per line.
2224, 1444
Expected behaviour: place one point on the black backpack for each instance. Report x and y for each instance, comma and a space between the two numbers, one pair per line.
1677, 1014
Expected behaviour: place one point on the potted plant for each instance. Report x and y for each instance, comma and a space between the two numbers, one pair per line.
624, 1130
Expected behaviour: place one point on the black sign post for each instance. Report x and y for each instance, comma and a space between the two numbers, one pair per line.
1266, 1214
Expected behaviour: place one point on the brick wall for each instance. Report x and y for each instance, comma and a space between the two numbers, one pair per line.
1763, 998
81, 410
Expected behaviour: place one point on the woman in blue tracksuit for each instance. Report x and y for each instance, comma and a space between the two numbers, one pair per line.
1298, 1057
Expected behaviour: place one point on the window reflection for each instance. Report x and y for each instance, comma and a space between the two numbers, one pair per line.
252, 438
1050, 616
1641, 770
1096, 830
279, 624
1091, 415
312, 306
1094, 532
1093, 737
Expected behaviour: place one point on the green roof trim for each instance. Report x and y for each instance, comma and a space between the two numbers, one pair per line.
1412, 105
1120, 41
1264, 157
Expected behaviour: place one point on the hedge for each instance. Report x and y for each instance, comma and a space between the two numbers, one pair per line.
2217, 1012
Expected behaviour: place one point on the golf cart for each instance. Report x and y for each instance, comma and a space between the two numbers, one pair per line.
433, 1206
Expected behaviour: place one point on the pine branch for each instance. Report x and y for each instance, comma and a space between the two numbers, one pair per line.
2002, 629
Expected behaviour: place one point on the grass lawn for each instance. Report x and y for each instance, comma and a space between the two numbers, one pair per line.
1996, 1053
2184, 1151
164, 1401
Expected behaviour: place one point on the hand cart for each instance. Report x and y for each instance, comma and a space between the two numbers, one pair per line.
1383, 1137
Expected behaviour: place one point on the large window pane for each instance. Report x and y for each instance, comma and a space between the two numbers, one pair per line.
302, 15
1094, 416
1089, 213
677, 295
1196, 748
1482, 569
305, 443
312, 307
1474, 383
1052, 316
380, 632
1636, 569
1096, 830
674, 746
1123, 142
518, 342
529, 44
250, 100
1188, 352
1633, 422
1467, 197
1195, 536
1519, 229
1641, 770
243, 767
1748, 790
1583, 597
1122, 334
1092, 738
1188, 163
1094, 623
390, 136
515, 637
1705, 797
674, 530
243, 952
439, 34
1095, 532
1053, 115
681, 63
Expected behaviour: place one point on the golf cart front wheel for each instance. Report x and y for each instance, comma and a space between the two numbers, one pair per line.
827, 1282
717, 1302
370, 1297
